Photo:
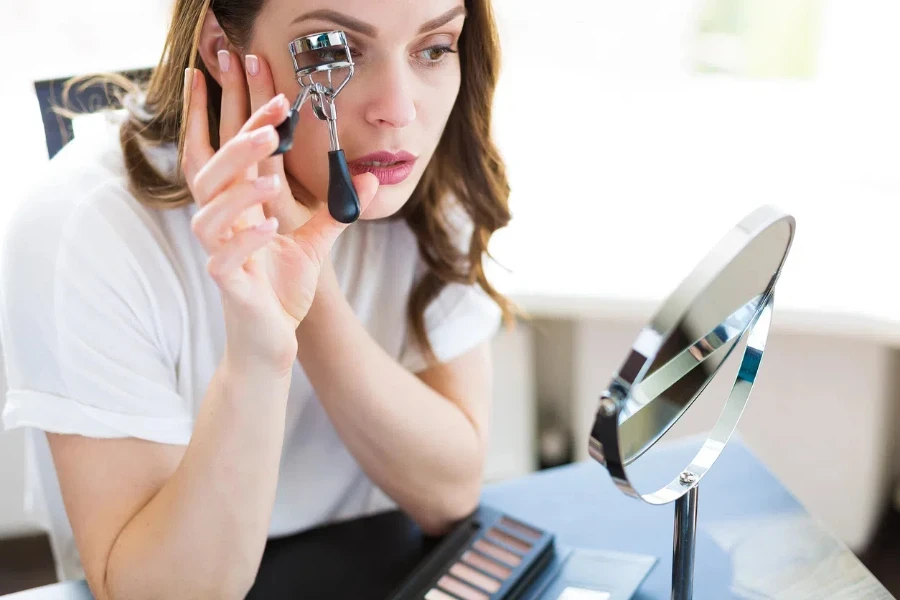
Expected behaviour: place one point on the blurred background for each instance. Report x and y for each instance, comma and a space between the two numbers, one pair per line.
634, 142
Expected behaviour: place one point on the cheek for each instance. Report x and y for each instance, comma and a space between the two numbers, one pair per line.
437, 100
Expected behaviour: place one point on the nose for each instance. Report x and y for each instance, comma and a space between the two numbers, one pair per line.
391, 103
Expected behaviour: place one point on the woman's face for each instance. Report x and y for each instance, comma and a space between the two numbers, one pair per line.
396, 105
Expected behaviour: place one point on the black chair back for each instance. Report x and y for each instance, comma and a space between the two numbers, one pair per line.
81, 99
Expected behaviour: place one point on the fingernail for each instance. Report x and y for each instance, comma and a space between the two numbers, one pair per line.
268, 226
267, 182
224, 60
278, 104
263, 136
252, 65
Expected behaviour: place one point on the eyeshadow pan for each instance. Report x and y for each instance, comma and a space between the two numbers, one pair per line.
461, 589
509, 540
490, 556
521, 528
486, 564
436, 594
479, 580
494, 551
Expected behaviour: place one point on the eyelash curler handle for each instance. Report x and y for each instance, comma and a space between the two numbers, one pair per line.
286, 132
343, 202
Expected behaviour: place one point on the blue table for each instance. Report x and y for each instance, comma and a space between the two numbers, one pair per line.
754, 539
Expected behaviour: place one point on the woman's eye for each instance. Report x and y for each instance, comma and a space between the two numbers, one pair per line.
434, 55
326, 56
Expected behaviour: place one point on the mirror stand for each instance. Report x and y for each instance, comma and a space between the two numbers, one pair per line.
726, 299
685, 538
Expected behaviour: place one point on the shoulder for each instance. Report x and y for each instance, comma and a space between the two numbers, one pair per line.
81, 204
91, 314
80, 242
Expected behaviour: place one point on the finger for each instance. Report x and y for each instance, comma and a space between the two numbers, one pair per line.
259, 81
229, 164
318, 235
272, 112
226, 263
235, 106
213, 223
197, 150
261, 86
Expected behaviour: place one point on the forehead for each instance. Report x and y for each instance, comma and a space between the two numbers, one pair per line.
385, 18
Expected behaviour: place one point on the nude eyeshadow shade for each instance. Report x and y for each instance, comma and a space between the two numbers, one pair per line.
489, 556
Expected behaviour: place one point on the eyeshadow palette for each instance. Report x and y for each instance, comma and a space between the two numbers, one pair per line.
490, 556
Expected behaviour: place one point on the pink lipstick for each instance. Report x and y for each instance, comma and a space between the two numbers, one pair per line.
388, 167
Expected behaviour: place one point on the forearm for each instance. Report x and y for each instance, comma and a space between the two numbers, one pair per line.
202, 535
419, 447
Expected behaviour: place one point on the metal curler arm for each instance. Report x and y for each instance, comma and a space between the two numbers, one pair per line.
286, 128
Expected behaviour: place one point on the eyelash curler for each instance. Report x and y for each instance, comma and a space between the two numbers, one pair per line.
316, 57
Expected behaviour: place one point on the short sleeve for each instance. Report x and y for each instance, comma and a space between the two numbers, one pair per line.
82, 326
459, 319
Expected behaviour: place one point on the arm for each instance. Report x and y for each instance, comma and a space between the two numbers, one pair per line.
159, 521
154, 521
421, 439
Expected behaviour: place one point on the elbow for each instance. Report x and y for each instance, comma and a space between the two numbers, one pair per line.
226, 582
217, 590
230, 584
445, 510
236, 587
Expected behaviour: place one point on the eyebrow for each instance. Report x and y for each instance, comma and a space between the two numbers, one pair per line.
345, 21
443, 19
361, 27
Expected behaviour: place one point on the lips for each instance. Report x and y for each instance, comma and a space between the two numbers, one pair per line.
390, 168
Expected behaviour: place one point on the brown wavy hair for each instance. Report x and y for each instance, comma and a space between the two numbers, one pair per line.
466, 170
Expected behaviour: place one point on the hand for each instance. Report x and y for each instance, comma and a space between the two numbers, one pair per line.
267, 280
291, 213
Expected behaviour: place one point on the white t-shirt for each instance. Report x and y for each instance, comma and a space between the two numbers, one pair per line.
111, 327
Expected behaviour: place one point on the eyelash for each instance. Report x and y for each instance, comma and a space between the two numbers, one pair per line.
444, 50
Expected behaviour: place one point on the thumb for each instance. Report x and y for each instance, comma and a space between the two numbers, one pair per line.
321, 231
366, 186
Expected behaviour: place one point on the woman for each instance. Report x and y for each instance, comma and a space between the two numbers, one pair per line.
214, 359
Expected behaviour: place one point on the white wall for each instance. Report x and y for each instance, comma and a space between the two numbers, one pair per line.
12, 474
12, 470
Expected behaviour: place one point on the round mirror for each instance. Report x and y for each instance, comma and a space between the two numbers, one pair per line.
724, 304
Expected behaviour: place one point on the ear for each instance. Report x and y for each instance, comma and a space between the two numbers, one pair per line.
213, 39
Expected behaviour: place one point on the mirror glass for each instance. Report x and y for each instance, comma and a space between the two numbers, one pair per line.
710, 330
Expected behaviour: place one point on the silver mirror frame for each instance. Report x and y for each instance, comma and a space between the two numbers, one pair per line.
605, 444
